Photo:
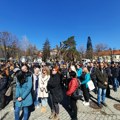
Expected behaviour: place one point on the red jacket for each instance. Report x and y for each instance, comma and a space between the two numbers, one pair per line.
73, 85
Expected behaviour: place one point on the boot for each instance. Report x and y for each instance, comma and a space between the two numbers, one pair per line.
52, 115
56, 117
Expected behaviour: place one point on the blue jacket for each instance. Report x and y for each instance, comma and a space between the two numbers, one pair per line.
87, 78
24, 91
79, 72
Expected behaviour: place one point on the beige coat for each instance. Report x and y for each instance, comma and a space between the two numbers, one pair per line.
43, 81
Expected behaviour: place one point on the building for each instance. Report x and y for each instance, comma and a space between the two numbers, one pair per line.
108, 56
53, 52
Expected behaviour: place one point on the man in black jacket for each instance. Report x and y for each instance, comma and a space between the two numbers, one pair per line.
115, 75
93, 76
3, 84
108, 71
102, 81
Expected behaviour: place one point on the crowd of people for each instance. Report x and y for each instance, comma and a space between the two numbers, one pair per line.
30, 86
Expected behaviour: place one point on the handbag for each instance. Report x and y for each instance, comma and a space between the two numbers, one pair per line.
78, 93
90, 85
9, 91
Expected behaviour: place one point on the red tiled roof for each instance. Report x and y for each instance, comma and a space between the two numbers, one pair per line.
108, 52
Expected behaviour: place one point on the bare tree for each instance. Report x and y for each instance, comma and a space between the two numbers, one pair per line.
81, 50
8, 44
32, 51
24, 44
100, 47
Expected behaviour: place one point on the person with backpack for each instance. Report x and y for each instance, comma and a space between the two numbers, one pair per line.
73, 85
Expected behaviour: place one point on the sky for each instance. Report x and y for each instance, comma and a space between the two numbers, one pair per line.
57, 20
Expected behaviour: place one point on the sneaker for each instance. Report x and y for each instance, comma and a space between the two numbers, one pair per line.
104, 104
83, 102
86, 103
37, 107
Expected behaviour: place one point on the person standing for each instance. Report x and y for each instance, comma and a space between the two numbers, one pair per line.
36, 78
85, 78
56, 95
23, 95
93, 76
115, 74
102, 81
64, 76
43, 92
73, 85
79, 71
3, 84
108, 71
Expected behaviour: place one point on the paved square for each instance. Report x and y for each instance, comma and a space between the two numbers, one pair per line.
84, 113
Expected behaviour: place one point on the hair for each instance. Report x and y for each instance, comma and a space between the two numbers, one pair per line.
86, 69
72, 74
72, 67
26, 66
36, 65
56, 68
20, 77
47, 70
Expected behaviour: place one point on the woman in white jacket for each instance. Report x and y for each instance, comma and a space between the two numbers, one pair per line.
43, 93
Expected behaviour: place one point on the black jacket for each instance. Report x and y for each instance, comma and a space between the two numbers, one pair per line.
54, 87
108, 71
3, 85
93, 74
115, 72
101, 78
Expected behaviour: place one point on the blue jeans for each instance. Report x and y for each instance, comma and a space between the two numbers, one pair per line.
36, 99
115, 84
36, 102
101, 93
17, 112
44, 102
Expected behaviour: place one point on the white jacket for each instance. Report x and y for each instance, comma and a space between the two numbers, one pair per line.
43, 81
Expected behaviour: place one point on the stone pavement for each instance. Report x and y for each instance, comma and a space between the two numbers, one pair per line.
84, 113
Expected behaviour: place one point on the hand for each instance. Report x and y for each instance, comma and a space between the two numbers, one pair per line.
105, 83
19, 99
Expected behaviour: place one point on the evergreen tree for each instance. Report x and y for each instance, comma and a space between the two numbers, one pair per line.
89, 51
68, 50
46, 50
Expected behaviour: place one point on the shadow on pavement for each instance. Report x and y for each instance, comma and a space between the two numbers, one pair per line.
110, 97
4, 116
65, 102
92, 97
